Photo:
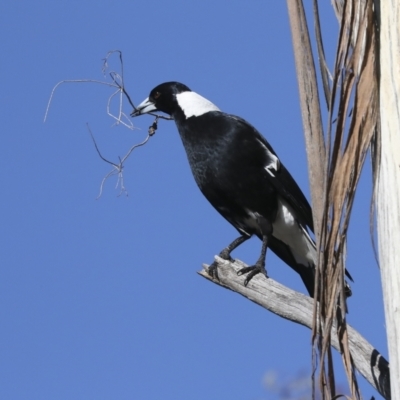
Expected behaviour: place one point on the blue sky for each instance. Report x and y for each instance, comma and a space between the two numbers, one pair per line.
99, 299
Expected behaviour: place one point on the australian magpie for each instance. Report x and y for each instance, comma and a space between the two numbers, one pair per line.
240, 174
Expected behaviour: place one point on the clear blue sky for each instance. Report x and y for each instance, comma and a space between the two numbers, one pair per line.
99, 299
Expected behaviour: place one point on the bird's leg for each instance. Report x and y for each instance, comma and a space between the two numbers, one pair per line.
226, 255
259, 266
226, 252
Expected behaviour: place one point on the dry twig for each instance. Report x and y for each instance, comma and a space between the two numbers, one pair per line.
121, 118
118, 168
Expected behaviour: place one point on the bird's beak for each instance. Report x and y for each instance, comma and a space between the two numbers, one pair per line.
144, 107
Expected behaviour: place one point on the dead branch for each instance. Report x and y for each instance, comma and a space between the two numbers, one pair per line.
298, 308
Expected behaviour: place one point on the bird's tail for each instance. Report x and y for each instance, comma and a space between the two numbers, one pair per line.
306, 270
307, 275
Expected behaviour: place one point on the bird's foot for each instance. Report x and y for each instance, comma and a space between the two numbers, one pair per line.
213, 268
213, 271
252, 271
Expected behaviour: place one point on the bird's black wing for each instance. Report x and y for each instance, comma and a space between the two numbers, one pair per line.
282, 180
290, 191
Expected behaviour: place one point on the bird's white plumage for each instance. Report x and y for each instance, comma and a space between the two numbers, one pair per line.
287, 229
194, 105
273, 166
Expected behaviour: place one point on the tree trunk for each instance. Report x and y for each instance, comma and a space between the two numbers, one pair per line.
388, 185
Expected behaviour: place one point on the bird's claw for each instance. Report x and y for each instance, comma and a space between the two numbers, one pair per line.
252, 272
213, 268
213, 271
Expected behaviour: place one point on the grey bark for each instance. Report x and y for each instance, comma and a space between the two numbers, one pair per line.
298, 308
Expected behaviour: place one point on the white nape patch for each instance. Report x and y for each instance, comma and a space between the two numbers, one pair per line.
194, 105
274, 163
287, 229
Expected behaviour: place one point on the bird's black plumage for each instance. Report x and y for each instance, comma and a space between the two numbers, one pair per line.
239, 173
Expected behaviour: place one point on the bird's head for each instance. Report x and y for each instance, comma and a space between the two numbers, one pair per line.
161, 98
175, 99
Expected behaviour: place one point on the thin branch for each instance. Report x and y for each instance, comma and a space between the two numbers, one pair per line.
111, 173
121, 118
97, 148
298, 308
121, 114
118, 168
73, 81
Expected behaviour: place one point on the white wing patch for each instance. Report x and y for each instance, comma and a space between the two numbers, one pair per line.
194, 105
287, 229
274, 164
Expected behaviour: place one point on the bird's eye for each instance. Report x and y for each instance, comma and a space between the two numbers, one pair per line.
157, 95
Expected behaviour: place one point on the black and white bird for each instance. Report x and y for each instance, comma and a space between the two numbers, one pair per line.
240, 174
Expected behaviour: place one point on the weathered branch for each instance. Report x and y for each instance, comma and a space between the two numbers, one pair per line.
298, 308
